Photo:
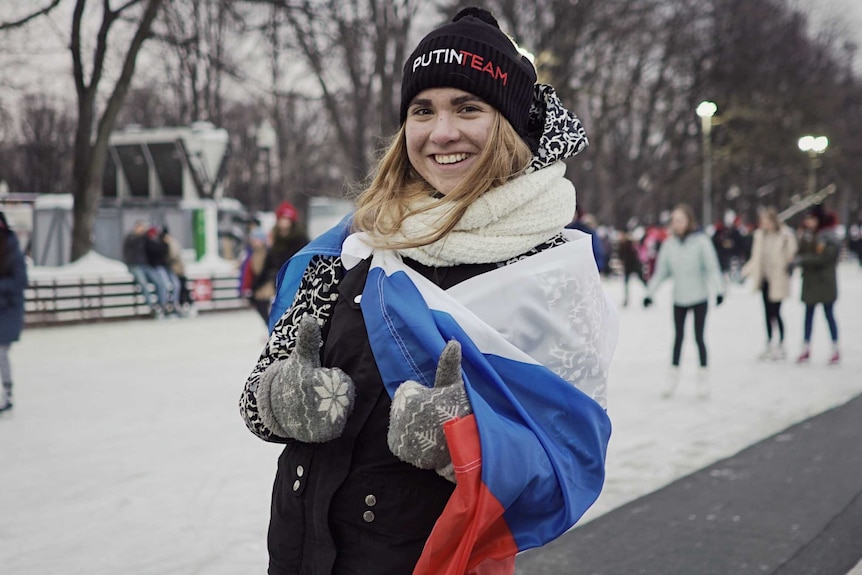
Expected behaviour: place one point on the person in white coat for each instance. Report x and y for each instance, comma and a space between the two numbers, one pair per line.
769, 269
688, 258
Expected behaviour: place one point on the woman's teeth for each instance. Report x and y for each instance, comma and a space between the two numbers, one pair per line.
450, 158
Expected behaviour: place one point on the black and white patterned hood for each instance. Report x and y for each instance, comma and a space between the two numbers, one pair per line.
554, 133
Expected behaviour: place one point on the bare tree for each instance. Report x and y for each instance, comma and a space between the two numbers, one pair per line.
46, 150
31, 16
355, 49
199, 34
625, 68
635, 70
148, 107
303, 139
94, 128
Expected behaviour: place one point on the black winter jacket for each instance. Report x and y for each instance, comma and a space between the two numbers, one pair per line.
135, 250
350, 505
13, 281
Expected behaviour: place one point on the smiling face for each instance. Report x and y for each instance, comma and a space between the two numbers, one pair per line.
446, 129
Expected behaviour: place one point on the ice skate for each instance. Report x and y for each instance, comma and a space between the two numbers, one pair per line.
671, 382
779, 353
804, 356
6, 398
702, 383
767, 354
836, 358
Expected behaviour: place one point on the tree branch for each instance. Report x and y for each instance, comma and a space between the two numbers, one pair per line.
22, 21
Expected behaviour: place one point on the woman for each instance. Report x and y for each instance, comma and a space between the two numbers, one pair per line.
287, 238
177, 269
819, 248
769, 268
388, 329
13, 280
252, 266
688, 258
167, 283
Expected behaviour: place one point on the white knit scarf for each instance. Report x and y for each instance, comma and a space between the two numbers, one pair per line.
503, 223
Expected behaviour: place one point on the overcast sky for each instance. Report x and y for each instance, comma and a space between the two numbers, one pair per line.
846, 15
36, 59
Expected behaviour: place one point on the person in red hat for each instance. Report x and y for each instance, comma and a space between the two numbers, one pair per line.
287, 212
288, 237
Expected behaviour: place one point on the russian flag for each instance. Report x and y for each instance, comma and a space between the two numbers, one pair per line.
537, 338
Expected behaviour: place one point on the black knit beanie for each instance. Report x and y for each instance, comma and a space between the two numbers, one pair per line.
471, 53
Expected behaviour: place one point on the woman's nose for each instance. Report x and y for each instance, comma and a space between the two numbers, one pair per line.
445, 129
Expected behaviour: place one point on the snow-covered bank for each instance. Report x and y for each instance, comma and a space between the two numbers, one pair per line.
126, 452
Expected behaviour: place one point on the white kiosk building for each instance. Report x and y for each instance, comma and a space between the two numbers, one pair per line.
171, 177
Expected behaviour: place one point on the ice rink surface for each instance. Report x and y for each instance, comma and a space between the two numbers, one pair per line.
126, 452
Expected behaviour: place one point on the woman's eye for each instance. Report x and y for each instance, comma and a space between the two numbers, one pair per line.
420, 111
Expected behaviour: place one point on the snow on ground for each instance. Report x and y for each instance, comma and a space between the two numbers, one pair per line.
126, 452
92, 266
656, 441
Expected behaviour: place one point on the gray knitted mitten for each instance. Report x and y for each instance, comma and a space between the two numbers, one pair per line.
418, 413
299, 399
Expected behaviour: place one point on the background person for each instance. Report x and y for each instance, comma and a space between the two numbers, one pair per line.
168, 284
252, 267
730, 246
650, 244
13, 281
772, 252
819, 248
588, 223
287, 238
688, 258
177, 267
854, 241
629, 255
136, 258
459, 201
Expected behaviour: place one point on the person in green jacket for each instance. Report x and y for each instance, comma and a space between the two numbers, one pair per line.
819, 248
688, 258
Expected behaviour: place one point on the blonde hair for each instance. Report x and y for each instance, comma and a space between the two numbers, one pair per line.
771, 215
384, 205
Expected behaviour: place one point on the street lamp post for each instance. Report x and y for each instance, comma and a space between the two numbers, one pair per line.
706, 110
813, 146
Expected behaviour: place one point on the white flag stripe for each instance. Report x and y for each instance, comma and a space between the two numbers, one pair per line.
547, 309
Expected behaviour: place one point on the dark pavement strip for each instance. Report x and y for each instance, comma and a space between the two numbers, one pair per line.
790, 504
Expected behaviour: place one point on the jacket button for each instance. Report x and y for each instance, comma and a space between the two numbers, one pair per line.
370, 500
368, 516
300, 470
357, 299
296, 485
